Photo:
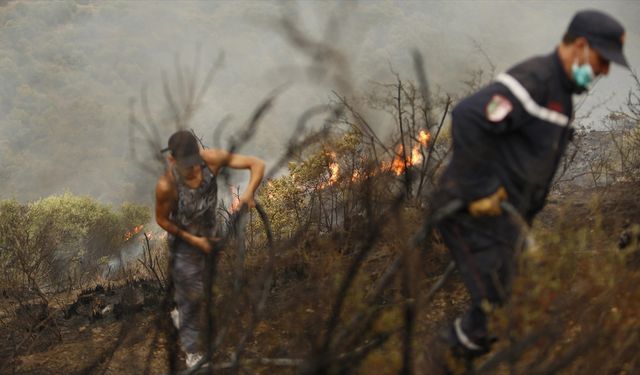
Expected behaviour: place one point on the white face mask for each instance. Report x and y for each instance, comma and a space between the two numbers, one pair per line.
583, 74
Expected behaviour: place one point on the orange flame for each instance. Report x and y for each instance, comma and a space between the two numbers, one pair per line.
355, 176
424, 137
335, 173
334, 170
416, 156
133, 232
397, 165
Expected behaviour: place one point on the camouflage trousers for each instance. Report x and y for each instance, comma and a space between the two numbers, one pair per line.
188, 279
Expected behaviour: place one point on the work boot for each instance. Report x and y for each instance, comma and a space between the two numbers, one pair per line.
193, 359
458, 358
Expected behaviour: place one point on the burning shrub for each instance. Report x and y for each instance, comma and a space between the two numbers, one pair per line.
59, 239
330, 185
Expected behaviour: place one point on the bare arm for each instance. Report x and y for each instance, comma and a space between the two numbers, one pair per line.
217, 159
165, 199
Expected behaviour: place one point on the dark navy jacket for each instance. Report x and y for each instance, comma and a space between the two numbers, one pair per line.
513, 133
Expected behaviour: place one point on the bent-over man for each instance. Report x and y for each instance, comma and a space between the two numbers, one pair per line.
508, 139
186, 200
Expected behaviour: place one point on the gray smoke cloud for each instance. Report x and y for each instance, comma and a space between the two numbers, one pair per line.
68, 70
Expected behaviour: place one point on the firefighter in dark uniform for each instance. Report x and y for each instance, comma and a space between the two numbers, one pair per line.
508, 139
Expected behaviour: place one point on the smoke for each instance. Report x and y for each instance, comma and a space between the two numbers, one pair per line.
69, 69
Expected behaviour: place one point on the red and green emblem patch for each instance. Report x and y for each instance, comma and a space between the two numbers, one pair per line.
498, 108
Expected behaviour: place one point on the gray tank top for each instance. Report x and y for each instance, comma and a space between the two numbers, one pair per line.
195, 211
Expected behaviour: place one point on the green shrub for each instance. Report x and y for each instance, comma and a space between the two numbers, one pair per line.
57, 241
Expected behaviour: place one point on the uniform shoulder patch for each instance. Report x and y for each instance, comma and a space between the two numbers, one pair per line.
498, 108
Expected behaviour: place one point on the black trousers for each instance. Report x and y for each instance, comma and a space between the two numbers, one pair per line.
484, 250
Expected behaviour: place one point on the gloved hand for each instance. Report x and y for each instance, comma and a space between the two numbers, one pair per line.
490, 205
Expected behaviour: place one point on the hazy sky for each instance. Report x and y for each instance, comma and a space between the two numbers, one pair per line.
372, 36
376, 35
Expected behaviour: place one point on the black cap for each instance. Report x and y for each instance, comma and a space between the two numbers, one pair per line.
184, 148
603, 32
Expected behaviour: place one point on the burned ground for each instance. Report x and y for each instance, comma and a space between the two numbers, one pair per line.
575, 284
